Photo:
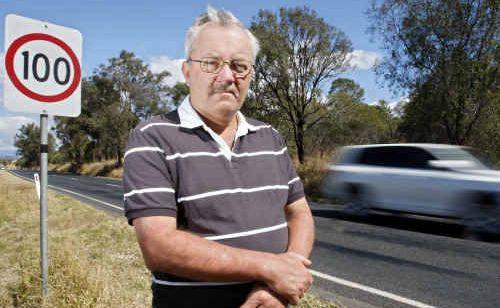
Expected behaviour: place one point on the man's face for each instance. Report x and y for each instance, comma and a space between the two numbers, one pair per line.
218, 96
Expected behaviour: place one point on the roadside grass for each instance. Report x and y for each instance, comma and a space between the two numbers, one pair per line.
94, 260
106, 168
312, 172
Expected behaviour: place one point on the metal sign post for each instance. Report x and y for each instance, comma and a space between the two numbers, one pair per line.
43, 76
44, 247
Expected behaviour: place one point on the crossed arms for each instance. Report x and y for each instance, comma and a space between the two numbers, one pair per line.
283, 277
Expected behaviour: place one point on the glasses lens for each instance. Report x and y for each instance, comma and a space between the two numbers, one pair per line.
214, 65
240, 67
211, 65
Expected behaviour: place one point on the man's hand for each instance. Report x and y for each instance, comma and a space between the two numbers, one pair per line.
262, 297
287, 275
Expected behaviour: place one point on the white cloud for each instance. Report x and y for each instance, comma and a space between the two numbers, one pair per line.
394, 103
363, 59
8, 129
173, 66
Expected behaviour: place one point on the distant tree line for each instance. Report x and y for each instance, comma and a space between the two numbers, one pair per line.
444, 53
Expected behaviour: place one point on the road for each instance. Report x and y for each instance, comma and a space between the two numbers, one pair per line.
380, 261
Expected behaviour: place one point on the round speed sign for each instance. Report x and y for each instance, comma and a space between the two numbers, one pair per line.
42, 65
38, 73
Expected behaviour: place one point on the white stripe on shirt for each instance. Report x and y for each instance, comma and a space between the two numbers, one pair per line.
231, 191
143, 149
194, 283
220, 153
148, 190
158, 124
246, 233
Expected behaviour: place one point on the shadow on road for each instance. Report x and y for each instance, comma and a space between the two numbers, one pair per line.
396, 221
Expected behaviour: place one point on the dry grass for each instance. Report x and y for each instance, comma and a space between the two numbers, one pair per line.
94, 258
66, 167
105, 168
312, 172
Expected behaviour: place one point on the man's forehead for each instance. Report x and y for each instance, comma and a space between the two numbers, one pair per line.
213, 35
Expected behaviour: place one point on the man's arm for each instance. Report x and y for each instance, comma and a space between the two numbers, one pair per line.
300, 227
300, 241
180, 253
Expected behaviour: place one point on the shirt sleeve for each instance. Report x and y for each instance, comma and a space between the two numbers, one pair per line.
295, 186
147, 182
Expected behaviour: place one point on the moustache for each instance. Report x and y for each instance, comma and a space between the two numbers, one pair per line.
226, 88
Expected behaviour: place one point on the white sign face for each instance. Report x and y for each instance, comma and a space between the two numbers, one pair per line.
42, 67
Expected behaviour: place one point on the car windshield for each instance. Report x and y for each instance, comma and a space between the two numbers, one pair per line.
459, 154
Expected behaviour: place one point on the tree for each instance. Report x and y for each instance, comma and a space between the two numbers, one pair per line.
350, 121
445, 53
178, 92
115, 98
75, 134
141, 91
299, 52
348, 87
27, 142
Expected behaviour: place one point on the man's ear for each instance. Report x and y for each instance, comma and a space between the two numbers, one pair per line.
185, 72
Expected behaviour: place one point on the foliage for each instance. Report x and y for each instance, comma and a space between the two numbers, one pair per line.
299, 52
27, 141
350, 121
114, 99
445, 52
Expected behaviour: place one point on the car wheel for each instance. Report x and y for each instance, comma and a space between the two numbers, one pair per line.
481, 215
357, 203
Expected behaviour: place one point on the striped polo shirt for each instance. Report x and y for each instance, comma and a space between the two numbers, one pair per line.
177, 166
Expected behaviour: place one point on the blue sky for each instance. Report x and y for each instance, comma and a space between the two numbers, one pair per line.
154, 31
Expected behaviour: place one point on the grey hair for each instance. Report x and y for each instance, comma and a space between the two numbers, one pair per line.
222, 18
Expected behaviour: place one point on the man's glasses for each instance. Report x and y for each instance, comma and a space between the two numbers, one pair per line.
240, 68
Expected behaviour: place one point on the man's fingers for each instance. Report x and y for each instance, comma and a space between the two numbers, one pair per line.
295, 300
303, 259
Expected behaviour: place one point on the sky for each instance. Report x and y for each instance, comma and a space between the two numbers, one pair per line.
154, 31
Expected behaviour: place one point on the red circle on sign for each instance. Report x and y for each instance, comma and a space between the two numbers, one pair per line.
9, 67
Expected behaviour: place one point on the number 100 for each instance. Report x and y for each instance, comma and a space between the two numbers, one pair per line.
45, 76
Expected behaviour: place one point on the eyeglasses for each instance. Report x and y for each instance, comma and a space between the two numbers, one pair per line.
240, 68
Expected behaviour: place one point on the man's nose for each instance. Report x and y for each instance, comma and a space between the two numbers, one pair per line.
225, 74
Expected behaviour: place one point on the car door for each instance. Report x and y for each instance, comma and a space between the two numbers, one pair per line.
405, 181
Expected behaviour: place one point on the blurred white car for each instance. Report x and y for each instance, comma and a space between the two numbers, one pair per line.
425, 179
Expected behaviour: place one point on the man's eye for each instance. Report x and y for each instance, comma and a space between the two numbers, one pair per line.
211, 63
240, 66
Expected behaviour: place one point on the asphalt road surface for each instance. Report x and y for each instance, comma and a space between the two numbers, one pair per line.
376, 261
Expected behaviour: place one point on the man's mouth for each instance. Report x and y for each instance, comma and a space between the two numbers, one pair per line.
233, 93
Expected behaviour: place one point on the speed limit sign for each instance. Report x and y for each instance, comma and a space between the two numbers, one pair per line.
42, 66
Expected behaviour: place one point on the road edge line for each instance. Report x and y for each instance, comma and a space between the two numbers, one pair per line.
71, 192
368, 289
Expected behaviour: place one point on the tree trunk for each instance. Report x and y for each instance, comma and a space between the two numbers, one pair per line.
299, 141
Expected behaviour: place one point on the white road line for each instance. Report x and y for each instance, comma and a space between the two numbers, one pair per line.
74, 193
113, 185
86, 197
378, 292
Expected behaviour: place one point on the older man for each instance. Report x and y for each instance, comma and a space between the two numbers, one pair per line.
219, 212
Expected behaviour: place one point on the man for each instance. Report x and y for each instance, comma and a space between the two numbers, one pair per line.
219, 212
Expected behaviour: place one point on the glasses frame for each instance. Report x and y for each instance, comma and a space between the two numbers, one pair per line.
228, 62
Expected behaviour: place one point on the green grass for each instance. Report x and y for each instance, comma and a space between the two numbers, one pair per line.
94, 260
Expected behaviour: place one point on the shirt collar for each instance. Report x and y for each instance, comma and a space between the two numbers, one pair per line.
189, 118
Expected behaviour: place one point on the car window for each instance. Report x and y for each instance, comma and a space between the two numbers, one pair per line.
397, 157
